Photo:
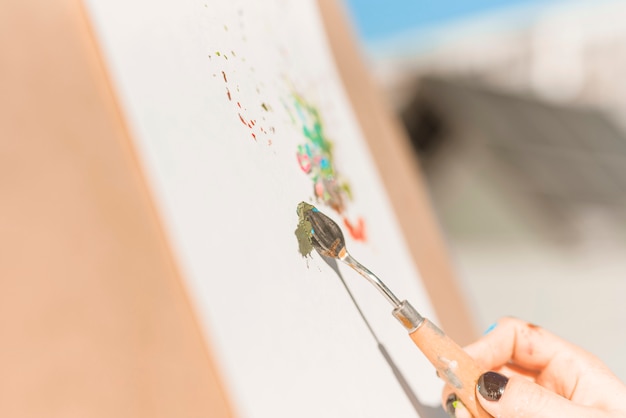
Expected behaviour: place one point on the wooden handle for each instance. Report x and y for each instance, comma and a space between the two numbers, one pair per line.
453, 364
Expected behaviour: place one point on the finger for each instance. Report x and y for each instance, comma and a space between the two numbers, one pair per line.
453, 405
511, 369
555, 363
518, 397
524, 344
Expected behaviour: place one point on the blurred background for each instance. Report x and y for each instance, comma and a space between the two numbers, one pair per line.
517, 113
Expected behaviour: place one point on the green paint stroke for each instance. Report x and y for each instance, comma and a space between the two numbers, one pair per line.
304, 230
315, 157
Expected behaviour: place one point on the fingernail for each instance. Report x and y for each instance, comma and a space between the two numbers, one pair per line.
491, 385
491, 327
451, 404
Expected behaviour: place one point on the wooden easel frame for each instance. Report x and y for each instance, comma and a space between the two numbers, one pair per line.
94, 315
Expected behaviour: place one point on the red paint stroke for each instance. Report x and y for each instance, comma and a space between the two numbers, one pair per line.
228, 94
304, 162
242, 119
253, 136
224, 75
239, 104
319, 189
356, 231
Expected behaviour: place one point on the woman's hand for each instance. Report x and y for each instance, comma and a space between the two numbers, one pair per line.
539, 375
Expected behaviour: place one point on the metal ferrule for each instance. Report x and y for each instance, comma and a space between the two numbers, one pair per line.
408, 316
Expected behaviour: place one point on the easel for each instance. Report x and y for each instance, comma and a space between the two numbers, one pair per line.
96, 321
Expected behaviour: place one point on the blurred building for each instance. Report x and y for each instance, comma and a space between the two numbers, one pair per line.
565, 52
510, 167
518, 119
527, 104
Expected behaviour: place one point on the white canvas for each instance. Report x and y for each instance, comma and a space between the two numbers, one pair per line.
196, 79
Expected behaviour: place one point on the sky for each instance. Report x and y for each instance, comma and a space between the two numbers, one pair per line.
378, 20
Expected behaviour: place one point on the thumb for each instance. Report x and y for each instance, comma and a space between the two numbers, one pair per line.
519, 397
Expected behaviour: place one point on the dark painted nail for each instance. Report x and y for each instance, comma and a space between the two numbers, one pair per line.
491, 385
451, 404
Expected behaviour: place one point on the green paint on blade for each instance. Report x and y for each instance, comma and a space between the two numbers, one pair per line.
304, 229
